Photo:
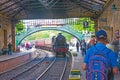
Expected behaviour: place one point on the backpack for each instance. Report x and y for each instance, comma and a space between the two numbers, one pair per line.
118, 59
98, 67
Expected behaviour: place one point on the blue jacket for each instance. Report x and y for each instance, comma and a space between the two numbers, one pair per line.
112, 58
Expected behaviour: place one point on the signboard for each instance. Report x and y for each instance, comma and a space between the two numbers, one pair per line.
85, 24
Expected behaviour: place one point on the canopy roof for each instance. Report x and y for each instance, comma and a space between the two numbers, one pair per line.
40, 9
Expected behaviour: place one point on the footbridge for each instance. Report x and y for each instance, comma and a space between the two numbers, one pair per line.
67, 28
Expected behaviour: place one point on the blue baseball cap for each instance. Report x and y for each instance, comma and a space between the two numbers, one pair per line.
101, 34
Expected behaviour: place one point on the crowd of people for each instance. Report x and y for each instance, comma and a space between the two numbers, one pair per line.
93, 50
83, 45
8, 50
93, 57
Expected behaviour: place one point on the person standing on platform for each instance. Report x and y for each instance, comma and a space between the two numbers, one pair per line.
115, 44
83, 47
9, 48
95, 55
27, 45
77, 46
91, 43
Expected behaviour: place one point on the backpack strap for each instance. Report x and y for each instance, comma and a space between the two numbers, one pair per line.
94, 50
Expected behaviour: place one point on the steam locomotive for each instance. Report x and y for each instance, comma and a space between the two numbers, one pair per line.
57, 44
60, 47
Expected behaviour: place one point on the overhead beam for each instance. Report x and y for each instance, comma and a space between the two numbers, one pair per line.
106, 5
87, 6
103, 1
17, 12
98, 2
89, 2
12, 10
92, 11
5, 2
11, 5
108, 1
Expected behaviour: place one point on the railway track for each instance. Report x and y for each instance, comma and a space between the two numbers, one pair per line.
46, 67
21, 70
68, 67
55, 71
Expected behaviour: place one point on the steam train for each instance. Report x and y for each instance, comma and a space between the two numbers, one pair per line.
60, 47
44, 44
61, 50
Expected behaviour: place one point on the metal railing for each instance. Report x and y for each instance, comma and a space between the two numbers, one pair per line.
69, 29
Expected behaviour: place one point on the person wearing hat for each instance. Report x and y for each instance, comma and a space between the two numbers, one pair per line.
101, 37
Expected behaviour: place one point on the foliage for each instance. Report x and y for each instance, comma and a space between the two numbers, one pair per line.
37, 35
79, 26
20, 27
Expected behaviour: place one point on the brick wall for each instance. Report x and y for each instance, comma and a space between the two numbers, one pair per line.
11, 63
6, 25
110, 20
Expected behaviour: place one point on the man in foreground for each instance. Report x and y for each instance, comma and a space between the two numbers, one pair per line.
100, 62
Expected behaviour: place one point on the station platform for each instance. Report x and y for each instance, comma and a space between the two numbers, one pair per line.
14, 54
8, 62
77, 65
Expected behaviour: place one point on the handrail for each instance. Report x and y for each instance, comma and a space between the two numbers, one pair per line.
66, 28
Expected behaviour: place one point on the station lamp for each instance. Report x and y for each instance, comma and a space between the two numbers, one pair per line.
113, 7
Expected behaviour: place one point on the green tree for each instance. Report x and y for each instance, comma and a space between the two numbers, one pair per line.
80, 25
20, 27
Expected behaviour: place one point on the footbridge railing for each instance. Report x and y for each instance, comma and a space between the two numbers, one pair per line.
67, 28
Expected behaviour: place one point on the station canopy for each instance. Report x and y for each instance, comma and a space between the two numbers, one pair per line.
49, 9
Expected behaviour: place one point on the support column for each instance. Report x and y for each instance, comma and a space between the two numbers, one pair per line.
96, 23
13, 35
